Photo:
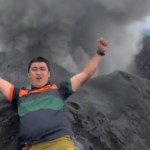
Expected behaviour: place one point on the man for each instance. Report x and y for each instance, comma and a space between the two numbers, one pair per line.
43, 124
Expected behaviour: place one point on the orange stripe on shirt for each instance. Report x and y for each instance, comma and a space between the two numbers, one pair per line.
10, 94
23, 92
52, 87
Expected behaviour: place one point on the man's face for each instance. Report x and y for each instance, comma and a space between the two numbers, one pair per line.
38, 74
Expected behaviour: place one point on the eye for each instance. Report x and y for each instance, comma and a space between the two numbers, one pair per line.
34, 69
43, 69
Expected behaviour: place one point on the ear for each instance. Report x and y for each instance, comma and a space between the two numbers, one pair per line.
28, 75
49, 74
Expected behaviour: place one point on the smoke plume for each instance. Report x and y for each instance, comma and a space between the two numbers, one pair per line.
65, 31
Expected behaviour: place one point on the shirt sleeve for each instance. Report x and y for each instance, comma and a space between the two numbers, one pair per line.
15, 96
65, 89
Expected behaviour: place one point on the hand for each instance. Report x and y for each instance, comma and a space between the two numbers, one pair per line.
102, 45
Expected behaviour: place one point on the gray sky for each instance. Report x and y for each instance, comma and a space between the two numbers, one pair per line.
66, 30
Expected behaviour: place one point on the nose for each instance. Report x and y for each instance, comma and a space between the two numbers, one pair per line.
38, 71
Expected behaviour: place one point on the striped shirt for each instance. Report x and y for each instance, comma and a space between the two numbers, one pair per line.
41, 112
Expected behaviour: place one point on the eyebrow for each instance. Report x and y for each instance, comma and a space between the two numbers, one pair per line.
38, 67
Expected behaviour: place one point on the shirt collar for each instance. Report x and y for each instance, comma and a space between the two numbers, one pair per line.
34, 88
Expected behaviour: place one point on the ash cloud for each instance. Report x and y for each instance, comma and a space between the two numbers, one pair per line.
65, 31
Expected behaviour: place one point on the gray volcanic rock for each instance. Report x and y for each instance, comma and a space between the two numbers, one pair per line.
142, 60
111, 112
9, 126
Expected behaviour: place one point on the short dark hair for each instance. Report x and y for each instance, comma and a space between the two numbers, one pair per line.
39, 59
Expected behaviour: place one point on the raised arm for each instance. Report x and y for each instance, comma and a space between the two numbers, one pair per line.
6, 88
79, 79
